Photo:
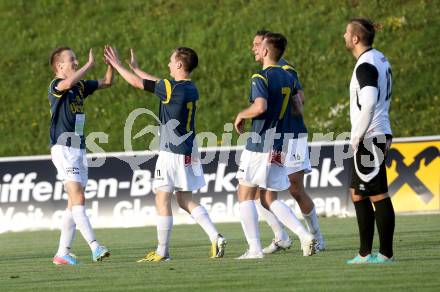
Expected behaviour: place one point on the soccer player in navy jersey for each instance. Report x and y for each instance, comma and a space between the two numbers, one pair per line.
67, 93
178, 168
297, 164
261, 163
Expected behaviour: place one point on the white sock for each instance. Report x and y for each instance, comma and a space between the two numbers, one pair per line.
312, 222
272, 221
68, 228
164, 227
288, 218
249, 223
200, 215
84, 226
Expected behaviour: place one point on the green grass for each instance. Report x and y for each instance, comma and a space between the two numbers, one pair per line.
25, 262
221, 32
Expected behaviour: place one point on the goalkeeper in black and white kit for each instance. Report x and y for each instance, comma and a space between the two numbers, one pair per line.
370, 93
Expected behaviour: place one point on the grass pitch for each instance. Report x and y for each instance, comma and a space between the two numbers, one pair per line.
25, 261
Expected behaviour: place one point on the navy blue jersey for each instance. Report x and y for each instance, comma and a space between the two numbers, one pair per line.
275, 85
177, 112
292, 122
67, 112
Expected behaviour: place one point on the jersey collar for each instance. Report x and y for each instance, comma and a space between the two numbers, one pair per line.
269, 66
369, 49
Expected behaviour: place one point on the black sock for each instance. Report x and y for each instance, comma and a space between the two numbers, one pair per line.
365, 219
385, 221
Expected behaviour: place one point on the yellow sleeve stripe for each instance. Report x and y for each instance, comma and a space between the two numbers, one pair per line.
81, 83
53, 93
260, 76
288, 67
167, 90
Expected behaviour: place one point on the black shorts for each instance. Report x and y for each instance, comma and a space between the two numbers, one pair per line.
368, 174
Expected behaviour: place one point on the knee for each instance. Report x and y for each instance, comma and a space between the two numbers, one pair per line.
163, 206
75, 193
183, 203
265, 203
296, 188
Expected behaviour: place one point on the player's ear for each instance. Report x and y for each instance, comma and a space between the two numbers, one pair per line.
355, 39
179, 65
59, 66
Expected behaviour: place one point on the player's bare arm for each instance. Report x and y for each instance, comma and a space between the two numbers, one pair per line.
301, 95
70, 81
112, 57
258, 107
135, 67
107, 81
298, 104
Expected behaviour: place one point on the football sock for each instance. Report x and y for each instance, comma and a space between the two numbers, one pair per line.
288, 218
83, 223
164, 227
68, 229
312, 222
365, 219
272, 221
200, 215
385, 222
249, 223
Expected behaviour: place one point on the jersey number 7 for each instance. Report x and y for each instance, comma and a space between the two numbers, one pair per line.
285, 91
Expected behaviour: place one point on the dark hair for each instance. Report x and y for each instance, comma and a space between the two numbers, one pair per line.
188, 57
364, 29
277, 42
55, 56
261, 32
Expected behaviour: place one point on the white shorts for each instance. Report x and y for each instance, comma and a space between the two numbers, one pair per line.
258, 169
71, 163
297, 157
178, 172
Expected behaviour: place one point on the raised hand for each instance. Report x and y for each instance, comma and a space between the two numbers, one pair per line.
111, 55
91, 61
132, 62
105, 59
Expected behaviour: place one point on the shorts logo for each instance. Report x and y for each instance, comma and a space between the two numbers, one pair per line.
72, 170
187, 160
275, 157
191, 160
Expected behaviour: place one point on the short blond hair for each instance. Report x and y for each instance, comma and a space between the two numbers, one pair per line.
55, 56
